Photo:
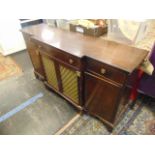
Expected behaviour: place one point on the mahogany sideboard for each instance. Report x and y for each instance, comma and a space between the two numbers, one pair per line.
91, 73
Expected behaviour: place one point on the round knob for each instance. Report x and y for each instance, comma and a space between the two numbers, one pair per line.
71, 61
103, 71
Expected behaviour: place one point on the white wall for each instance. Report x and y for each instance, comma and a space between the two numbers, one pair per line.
11, 39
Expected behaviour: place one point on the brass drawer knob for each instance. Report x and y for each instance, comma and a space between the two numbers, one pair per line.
71, 61
103, 71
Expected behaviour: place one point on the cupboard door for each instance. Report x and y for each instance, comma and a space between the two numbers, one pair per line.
50, 72
69, 79
101, 97
34, 54
36, 59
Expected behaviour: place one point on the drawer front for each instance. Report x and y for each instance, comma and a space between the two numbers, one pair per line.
105, 70
68, 59
59, 55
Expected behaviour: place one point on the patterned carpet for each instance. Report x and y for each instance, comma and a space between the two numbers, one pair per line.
8, 68
134, 123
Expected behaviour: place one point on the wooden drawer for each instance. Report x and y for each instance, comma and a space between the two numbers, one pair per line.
106, 71
61, 56
68, 59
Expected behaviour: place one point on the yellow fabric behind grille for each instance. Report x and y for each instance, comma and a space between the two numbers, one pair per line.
69, 83
50, 72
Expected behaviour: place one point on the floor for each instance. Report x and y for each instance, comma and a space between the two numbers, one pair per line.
22, 58
134, 122
46, 116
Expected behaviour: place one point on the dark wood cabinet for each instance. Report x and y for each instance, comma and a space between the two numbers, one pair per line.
91, 73
103, 91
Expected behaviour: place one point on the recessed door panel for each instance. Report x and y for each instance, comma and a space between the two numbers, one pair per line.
50, 72
69, 80
100, 97
34, 55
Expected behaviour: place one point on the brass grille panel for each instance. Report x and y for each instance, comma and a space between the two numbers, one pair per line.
69, 83
50, 72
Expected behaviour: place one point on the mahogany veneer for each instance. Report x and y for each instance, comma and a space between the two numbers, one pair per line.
91, 73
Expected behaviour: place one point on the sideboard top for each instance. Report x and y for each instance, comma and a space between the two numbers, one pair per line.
121, 56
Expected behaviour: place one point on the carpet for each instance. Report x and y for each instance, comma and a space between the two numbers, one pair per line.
8, 68
133, 123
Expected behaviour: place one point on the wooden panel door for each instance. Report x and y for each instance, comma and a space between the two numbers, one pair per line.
101, 97
33, 50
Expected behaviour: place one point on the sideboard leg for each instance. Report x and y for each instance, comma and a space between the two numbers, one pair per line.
110, 129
